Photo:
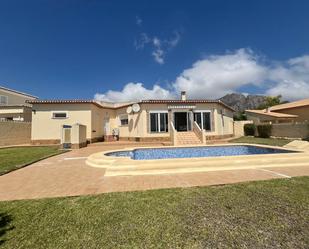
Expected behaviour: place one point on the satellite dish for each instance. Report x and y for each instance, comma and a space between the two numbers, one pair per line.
136, 107
129, 109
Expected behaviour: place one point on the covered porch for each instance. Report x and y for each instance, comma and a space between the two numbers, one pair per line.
183, 118
188, 125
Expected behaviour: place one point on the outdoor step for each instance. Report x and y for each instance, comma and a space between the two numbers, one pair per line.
213, 161
186, 138
191, 169
231, 164
206, 165
189, 140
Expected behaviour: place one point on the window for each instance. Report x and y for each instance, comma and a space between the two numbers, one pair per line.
203, 120
124, 120
158, 122
60, 115
3, 100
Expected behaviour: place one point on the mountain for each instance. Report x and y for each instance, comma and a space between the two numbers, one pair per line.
240, 102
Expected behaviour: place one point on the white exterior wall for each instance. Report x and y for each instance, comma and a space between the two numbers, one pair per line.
44, 127
222, 124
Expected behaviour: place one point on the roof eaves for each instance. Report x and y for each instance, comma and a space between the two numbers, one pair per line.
75, 101
18, 92
153, 101
272, 114
23, 105
295, 104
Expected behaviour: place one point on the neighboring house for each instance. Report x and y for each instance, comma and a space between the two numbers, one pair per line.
150, 120
297, 111
13, 105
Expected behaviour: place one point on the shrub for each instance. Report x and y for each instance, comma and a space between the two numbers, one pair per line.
249, 129
240, 116
264, 130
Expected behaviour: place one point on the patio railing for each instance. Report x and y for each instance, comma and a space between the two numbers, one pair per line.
173, 134
199, 132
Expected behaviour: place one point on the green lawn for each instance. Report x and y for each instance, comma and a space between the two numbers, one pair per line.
17, 157
258, 140
264, 214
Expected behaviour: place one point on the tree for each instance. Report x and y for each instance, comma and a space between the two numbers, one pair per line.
270, 101
239, 116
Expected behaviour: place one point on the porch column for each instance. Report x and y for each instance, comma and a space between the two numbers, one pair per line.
191, 119
170, 119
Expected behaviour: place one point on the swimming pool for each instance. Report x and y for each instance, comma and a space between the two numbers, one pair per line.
190, 152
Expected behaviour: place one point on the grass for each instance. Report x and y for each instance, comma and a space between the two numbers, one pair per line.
258, 140
264, 214
17, 157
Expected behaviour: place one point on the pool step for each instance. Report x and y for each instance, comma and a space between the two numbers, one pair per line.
209, 164
136, 172
187, 137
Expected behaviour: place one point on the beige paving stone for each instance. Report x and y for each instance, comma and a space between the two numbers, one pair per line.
60, 176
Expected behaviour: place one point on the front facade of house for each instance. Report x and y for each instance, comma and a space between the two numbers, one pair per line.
13, 106
154, 120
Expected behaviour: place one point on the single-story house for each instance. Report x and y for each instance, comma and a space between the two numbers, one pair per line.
146, 120
13, 106
297, 111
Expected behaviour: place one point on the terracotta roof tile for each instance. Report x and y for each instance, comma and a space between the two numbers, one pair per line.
299, 103
71, 101
272, 114
121, 105
189, 101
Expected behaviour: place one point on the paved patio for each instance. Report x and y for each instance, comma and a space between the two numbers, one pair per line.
68, 175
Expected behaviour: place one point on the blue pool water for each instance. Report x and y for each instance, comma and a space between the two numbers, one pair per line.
188, 152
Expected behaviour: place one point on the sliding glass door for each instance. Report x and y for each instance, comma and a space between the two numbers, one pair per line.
203, 119
158, 122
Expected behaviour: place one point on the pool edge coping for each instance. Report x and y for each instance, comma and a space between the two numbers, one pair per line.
101, 160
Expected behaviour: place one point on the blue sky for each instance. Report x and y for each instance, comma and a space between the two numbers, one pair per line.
154, 49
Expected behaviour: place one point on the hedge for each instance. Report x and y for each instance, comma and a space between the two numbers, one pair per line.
249, 129
264, 130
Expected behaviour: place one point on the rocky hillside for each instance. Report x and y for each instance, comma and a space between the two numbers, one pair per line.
241, 102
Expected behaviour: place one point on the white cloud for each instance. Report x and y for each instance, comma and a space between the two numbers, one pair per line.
217, 75
142, 41
291, 79
173, 42
138, 21
134, 92
290, 90
158, 53
156, 42
159, 47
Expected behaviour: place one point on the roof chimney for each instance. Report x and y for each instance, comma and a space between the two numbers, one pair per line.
183, 96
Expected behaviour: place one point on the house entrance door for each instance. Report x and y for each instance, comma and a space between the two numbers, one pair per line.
181, 121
